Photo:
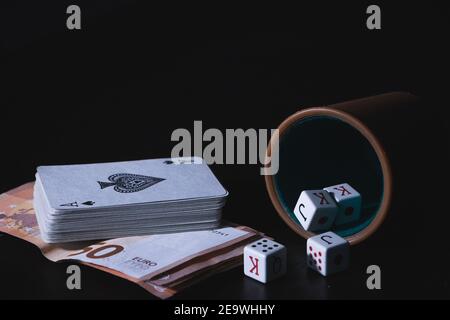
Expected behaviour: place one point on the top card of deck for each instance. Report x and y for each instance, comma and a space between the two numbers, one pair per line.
74, 187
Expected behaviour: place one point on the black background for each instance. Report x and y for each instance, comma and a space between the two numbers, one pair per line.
116, 90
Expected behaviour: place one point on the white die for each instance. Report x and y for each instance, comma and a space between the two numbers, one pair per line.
348, 201
264, 260
315, 210
327, 253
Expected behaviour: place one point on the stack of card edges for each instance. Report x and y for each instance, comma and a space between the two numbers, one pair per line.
119, 199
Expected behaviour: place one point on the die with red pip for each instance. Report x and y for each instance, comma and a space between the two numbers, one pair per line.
327, 253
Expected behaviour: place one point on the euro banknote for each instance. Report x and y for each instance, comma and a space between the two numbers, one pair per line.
163, 264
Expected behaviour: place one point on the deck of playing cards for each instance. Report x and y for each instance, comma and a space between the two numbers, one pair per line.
119, 199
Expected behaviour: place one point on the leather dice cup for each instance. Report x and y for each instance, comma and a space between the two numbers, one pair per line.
372, 144
342, 169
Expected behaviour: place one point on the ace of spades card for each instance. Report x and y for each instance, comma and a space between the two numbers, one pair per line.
105, 200
71, 187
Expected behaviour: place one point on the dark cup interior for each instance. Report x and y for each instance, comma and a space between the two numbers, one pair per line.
320, 151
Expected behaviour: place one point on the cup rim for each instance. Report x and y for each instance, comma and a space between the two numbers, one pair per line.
374, 142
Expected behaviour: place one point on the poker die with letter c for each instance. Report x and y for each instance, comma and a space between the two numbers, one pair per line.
348, 201
264, 260
315, 210
327, 253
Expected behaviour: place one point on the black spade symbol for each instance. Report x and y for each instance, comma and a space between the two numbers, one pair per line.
127, 183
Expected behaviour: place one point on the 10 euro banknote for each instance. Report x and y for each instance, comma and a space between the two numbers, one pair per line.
163, 264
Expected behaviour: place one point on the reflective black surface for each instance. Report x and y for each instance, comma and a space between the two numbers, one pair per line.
66, 97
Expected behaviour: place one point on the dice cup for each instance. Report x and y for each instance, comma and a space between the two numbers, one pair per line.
362, 142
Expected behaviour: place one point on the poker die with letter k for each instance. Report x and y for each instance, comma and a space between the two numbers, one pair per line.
348, 201
327, 253
264, 260
315, 210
